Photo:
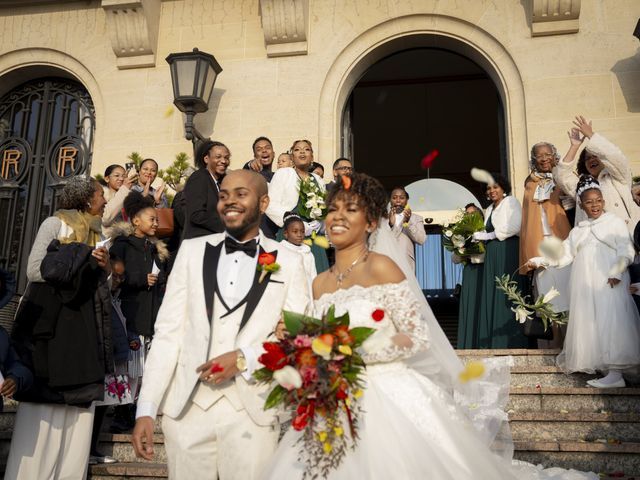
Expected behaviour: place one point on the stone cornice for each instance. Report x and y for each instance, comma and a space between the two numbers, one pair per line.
133, 28
285, 24
554, 17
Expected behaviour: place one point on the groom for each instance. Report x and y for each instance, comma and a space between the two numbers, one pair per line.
216, 313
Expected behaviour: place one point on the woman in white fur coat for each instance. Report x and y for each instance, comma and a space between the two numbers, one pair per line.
605, 162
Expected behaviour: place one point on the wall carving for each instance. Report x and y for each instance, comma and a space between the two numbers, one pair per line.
285, 24
554, 17
133, 28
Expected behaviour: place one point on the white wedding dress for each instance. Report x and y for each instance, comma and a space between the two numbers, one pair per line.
410, 427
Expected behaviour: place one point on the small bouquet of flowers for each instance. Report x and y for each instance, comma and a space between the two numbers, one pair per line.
526, 311
312, 198
457, 237
318, 374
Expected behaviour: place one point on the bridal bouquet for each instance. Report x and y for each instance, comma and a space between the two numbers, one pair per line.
318, 376
312, 198
457, 237
525, 310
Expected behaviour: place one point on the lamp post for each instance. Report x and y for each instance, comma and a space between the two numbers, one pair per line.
193, 75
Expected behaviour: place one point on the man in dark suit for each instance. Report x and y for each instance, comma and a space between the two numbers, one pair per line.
341, 166
201, 190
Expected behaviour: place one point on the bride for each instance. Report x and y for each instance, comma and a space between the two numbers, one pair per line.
416, 421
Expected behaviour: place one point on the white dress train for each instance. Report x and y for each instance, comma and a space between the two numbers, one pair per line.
410, 428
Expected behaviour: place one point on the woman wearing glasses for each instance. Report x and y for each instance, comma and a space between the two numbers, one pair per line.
605, 162
544, 216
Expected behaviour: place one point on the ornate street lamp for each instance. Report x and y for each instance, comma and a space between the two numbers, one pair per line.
193, 75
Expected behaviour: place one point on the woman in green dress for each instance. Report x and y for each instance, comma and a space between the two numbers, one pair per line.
284, 196
497, 326
470, 295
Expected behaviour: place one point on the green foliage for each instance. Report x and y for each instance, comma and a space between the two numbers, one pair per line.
99, 177
136, 158
177, 172
360, 334
276, 396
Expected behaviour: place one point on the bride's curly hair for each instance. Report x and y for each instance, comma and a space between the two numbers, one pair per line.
367, 191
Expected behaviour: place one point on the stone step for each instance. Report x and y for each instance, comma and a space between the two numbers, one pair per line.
573, 399
554, 426
119, 446
129, 471
598, 457
521, 357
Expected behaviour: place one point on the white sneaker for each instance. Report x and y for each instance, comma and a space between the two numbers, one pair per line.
598, 384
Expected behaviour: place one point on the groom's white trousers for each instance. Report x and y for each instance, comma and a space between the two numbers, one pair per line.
220, 442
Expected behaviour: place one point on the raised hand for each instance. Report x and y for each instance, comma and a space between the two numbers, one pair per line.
157, 196
574, 137
584, 126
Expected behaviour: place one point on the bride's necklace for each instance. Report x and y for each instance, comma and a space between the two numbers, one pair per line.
340, 276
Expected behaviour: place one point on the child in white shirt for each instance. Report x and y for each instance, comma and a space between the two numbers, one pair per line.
293, 231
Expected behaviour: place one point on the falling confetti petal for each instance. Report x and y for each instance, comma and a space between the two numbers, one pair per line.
321, 241
480, 175
308, 242
428, 159
346, 181
169, 111
472, 370
618, 267
551, 248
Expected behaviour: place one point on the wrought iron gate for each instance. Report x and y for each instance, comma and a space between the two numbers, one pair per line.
46, 136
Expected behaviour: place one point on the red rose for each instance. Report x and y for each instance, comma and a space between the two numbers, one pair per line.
378, 314
341, 394
266, 259
300, 422
275, 358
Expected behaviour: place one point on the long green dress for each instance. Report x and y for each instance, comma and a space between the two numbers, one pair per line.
319, 253
497, 326
469, 305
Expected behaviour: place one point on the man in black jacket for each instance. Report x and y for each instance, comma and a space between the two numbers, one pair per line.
201, 190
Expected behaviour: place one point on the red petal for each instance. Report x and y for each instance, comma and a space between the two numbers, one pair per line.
428, 159
378, 314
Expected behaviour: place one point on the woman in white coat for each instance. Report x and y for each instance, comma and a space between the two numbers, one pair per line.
605, 162
284, 196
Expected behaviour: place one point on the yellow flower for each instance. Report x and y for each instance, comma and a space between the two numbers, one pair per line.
357, 393
322, 436
321, 241
339, 431
327, 447
345, 349
472, 370
321, 348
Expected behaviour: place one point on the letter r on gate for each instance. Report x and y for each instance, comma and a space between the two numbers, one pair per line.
10, 159
66, 156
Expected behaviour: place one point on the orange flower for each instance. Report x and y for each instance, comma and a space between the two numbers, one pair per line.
266, 259
344, 337
306, 358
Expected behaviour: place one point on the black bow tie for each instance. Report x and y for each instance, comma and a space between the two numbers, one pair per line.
231, 245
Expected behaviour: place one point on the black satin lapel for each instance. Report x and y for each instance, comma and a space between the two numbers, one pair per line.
210, 275
256, 292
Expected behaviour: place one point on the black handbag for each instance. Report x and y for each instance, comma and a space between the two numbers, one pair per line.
534, 328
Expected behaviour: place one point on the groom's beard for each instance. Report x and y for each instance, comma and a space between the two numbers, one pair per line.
250, 221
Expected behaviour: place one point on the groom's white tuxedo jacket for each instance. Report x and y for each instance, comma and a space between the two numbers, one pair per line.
182, 339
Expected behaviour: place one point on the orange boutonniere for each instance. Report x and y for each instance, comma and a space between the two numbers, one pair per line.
267, 264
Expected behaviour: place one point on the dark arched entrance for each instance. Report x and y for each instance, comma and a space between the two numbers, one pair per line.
408, 104
46, 136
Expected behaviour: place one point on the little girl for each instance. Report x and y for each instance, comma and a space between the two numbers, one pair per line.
144, 259
293, 231
604, 326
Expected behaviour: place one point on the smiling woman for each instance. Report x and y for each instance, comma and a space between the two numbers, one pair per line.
606, 163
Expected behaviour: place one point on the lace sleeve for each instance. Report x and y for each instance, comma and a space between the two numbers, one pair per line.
403, 333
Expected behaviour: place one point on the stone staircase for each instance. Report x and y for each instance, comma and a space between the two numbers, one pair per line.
555, 421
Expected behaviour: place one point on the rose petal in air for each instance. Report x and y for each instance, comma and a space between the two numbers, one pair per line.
480, 175
428, 159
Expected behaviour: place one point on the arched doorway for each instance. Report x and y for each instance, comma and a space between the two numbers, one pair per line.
47, 128
421, 99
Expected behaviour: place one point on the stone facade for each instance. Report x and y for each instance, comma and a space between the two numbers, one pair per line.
289, 65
